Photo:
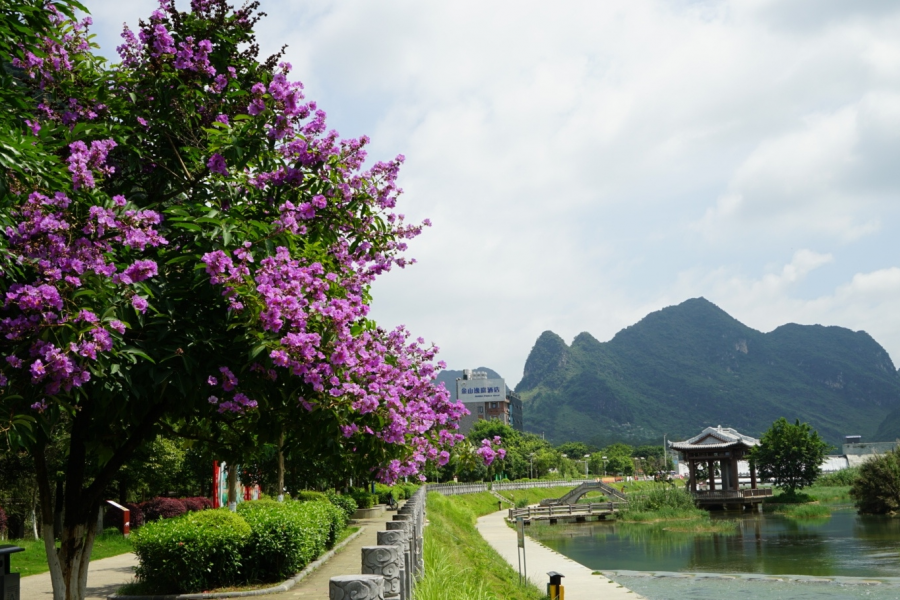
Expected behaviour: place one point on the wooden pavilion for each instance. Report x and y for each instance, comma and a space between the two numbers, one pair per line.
722, 448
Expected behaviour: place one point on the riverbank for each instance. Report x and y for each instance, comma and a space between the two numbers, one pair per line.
579, 581
459, 562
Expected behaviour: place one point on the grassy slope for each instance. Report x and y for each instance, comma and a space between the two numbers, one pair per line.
532, 496
459, 563
34, 559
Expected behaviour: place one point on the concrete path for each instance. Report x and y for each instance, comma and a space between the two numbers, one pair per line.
578, 582
105, 576
348, 561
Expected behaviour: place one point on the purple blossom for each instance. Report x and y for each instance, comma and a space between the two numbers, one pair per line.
139, 304
216, 164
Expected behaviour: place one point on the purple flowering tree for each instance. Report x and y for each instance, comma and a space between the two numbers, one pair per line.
192, 251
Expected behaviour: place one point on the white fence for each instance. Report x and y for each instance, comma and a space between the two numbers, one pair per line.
452, 489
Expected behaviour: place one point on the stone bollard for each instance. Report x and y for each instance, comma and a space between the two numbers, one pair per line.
406, 529
416, 512
398, 540
387, 562
356, 587
413, 538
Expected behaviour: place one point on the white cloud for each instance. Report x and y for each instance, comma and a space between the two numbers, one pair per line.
586, 162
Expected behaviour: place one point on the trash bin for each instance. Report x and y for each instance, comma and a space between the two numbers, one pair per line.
9, 582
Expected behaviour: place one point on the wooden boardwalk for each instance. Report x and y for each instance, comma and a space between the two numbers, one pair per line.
594, 511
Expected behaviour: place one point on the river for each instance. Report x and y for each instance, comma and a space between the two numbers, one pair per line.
843, 556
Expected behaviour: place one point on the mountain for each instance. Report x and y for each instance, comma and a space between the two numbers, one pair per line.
448, 377
689, 366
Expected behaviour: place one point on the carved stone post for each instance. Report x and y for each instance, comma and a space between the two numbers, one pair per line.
356, 587
408, 557
387, 562
413, 539
398, 540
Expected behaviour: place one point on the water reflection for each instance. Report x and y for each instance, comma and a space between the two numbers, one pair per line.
843, 545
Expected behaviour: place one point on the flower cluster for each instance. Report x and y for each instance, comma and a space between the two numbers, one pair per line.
84, 161
239, 402
62, 250
490, 450
50, 67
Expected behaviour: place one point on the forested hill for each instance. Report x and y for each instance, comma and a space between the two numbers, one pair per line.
690, 366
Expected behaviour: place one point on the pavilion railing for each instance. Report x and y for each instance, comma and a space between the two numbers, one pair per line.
732, 494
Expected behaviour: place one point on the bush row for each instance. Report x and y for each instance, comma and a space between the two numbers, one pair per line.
156, 509
265, 541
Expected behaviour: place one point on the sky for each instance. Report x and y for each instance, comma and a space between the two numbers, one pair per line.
585, 163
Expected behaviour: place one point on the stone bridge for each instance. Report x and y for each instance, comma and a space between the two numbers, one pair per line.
591, 486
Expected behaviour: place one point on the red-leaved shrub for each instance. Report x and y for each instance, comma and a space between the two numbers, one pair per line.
3, 522
162, 508
197, 503
136, 516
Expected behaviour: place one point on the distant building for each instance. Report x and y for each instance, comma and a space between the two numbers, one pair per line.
487, 399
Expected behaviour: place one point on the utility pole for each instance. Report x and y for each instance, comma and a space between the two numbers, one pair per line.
665, 456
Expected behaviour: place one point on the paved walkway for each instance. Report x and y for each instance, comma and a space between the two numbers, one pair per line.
106, 575
348, 561
578, 581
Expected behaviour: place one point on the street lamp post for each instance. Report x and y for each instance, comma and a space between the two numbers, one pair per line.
604, 465
586, 457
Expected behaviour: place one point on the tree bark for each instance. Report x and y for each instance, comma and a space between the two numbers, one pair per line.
81, 504
281, 466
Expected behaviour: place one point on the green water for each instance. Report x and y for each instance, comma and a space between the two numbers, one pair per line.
844, 545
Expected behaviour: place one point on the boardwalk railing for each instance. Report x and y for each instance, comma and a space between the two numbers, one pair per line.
546, 512
452, 489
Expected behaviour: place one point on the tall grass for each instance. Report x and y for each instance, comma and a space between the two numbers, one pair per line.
805, 511
459, 563
661, 504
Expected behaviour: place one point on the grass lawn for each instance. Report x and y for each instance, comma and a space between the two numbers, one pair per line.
34, 559
459, 563
533, 495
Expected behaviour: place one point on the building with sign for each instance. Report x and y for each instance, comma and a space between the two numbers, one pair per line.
487, 398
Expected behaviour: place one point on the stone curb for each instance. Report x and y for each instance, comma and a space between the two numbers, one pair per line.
283, 587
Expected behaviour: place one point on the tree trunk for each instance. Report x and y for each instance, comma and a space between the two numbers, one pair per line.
69, 563
58, 510
281, 466
232, 487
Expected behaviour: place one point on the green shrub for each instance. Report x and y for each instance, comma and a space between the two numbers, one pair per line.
521, 502
406, 490
363, 498
345, 503
839, 478
386, 494
876, 490
191, 553
310, 496
285, 537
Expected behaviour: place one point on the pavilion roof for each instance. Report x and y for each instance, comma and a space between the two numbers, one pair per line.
714, 438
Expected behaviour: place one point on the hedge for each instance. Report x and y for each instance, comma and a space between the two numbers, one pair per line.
287, 536
192, 553
345, 503
265, 541
162, 508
